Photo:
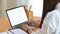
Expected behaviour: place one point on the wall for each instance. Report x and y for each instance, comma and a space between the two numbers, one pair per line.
11, 3
21, 2
14, 3
0, 8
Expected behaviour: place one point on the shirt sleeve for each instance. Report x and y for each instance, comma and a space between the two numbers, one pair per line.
49, 24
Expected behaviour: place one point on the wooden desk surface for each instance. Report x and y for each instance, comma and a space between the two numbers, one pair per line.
4, 24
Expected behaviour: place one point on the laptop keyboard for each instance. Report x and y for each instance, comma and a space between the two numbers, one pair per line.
19, 25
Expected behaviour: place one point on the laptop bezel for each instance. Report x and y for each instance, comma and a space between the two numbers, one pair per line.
12, 9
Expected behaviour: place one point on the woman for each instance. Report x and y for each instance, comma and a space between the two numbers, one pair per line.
51, 23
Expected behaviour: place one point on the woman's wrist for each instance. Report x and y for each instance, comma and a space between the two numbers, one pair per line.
29, 31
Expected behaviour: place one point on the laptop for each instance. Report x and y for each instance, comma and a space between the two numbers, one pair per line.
17, 16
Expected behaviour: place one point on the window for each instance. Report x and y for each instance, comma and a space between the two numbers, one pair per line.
37, 7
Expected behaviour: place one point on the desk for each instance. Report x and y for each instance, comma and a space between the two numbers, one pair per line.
4, 21
4, 24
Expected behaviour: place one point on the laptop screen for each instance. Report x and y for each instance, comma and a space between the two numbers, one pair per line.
17, 15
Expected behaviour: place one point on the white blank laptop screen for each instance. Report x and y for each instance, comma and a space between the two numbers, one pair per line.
17, 16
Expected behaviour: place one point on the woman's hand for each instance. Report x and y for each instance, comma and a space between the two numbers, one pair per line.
35, 23
25, 27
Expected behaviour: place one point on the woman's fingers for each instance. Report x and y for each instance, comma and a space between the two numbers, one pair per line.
25, 27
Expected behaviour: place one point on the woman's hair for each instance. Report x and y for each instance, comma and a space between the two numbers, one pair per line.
49, 5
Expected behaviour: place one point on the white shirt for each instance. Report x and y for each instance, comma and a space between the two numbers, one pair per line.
51, 23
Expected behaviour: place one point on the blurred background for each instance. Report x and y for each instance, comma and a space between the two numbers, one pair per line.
37, 6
